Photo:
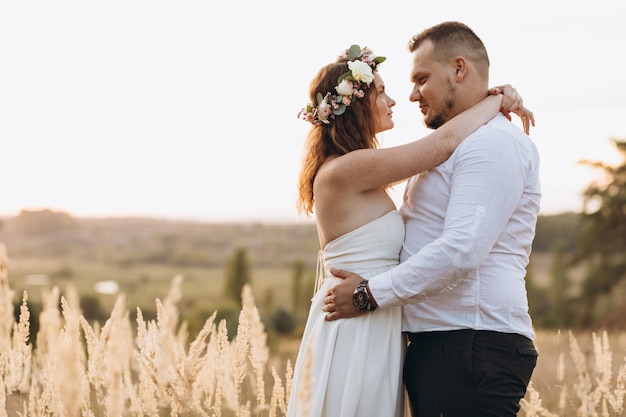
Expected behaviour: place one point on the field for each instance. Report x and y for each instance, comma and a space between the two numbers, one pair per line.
151, 368
153, 346
142, 284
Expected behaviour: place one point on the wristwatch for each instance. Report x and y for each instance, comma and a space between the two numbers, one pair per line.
361, 298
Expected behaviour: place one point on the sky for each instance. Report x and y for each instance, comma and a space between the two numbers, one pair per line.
188, 109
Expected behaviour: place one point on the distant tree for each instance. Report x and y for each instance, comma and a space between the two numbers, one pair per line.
268, 299
41, 222
603, 240
538, 303
283, 321
564, 228
237, 275
560, 286
297, 273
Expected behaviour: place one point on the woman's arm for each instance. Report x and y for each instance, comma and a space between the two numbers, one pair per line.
512, 102
366, 169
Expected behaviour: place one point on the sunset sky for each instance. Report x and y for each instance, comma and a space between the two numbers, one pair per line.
187, 109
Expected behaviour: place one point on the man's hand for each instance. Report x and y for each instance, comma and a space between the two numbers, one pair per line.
338, 300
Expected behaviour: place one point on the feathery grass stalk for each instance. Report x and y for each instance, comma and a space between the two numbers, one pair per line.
6, 301
595, 393
532, 404
259, 353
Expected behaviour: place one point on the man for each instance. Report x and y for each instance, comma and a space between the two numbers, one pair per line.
470, 223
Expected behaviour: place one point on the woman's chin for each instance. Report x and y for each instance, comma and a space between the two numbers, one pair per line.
388, 126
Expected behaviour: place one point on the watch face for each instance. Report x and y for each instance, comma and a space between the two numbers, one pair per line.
360, 300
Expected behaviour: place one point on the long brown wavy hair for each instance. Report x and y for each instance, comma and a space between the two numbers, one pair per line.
354, 129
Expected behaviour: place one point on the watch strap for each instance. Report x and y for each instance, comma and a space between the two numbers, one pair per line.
370, 297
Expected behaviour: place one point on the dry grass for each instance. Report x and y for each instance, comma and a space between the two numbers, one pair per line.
576, 375
149, 369
79, 369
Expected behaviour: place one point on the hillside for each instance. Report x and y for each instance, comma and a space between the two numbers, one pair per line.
50, 234
128, 241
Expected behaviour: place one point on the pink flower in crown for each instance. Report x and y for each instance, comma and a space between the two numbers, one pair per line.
304, 114
324, 110
345, 88
369, 58
346, 100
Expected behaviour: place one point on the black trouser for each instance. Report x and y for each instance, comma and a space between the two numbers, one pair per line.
467, 373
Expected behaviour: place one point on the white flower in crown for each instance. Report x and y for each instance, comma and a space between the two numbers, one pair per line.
361, 71
345, 88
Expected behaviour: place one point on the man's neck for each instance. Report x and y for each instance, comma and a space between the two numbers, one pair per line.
467, 99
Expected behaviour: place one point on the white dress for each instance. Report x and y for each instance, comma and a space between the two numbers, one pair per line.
353, 367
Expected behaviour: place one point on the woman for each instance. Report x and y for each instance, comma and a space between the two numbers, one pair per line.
353, 367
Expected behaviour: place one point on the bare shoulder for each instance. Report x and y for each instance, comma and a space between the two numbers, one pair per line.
329, 174
334, 194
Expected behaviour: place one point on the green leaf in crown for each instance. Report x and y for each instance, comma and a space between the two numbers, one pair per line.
354, 52
339, 110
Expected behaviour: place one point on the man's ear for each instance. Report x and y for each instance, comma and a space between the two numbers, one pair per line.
460, 67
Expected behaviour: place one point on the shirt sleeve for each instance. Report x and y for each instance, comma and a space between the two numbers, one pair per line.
486, 186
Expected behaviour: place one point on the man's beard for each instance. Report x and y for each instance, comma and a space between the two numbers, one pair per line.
439, 119
436, 122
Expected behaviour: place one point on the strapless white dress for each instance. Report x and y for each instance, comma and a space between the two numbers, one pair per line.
353, 367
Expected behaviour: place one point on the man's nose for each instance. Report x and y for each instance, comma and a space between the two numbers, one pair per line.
415, 94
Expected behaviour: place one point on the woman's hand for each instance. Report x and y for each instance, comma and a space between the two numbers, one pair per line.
512, 102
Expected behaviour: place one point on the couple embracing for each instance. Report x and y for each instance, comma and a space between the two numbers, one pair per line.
429, 298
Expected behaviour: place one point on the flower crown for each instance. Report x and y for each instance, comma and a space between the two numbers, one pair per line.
350, 85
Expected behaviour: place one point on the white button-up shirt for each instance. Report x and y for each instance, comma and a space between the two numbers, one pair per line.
470, 223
